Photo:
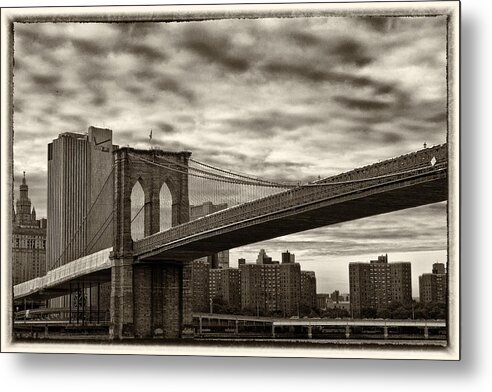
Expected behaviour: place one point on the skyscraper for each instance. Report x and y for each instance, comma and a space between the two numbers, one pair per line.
376, 284
80, 201
28, 239
80, 195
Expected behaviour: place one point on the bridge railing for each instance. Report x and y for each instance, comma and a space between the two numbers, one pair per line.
402, 167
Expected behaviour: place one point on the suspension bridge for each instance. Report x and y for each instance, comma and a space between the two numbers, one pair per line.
150, 272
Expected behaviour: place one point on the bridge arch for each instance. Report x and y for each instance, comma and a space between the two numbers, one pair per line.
166, 214
151, 169
137, 205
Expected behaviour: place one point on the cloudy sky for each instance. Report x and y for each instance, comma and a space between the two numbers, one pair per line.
286, 99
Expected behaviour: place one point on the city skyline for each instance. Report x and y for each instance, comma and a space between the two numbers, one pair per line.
383, 82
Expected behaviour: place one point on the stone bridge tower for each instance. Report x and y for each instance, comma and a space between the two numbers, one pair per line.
149, 299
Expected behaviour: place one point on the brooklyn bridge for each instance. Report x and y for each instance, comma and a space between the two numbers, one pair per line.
150, 277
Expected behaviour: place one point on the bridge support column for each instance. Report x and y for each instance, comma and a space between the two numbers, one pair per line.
310, 331
385, 332
347, 331
121, 306
273, 330
162, 301
426, 332
187, 330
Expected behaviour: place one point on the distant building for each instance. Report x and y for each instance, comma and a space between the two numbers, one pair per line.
260, 287
269, 287
334, 300
217, 260
28, 239
225, 285
438, 268
198, 211
263, 258
433, 287
308, 289
288, 257
290, 293
376, 284
200, 283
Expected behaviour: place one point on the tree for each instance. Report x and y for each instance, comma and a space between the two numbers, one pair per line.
368, 313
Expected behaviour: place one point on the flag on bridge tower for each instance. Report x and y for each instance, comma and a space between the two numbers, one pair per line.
150, 139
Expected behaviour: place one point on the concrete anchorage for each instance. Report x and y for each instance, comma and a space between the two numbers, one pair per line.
148, 300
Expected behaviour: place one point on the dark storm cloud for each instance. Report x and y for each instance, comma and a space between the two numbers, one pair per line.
136, 30
77, 121
315, 73
89, 48
99, 97
378, 23
392, 137
36, 39
145, 52
350, 51
93, 71
146, 74
172, 85
45, 81
361, 104
438, 117
270, 122
215, 48
343, 50
305, 39
164, 127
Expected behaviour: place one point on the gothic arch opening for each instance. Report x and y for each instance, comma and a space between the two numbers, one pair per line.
166, 214
137, 212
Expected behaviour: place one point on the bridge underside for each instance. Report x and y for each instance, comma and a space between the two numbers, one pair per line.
360, 205
83, 281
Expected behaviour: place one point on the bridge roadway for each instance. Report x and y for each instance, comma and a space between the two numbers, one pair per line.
88, 270
407, 181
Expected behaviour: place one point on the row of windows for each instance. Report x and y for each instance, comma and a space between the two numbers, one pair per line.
29, 243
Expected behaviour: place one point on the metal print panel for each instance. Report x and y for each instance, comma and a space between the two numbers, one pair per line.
253, 180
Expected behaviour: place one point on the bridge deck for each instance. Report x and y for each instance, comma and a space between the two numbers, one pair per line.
91, 268
409, 181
